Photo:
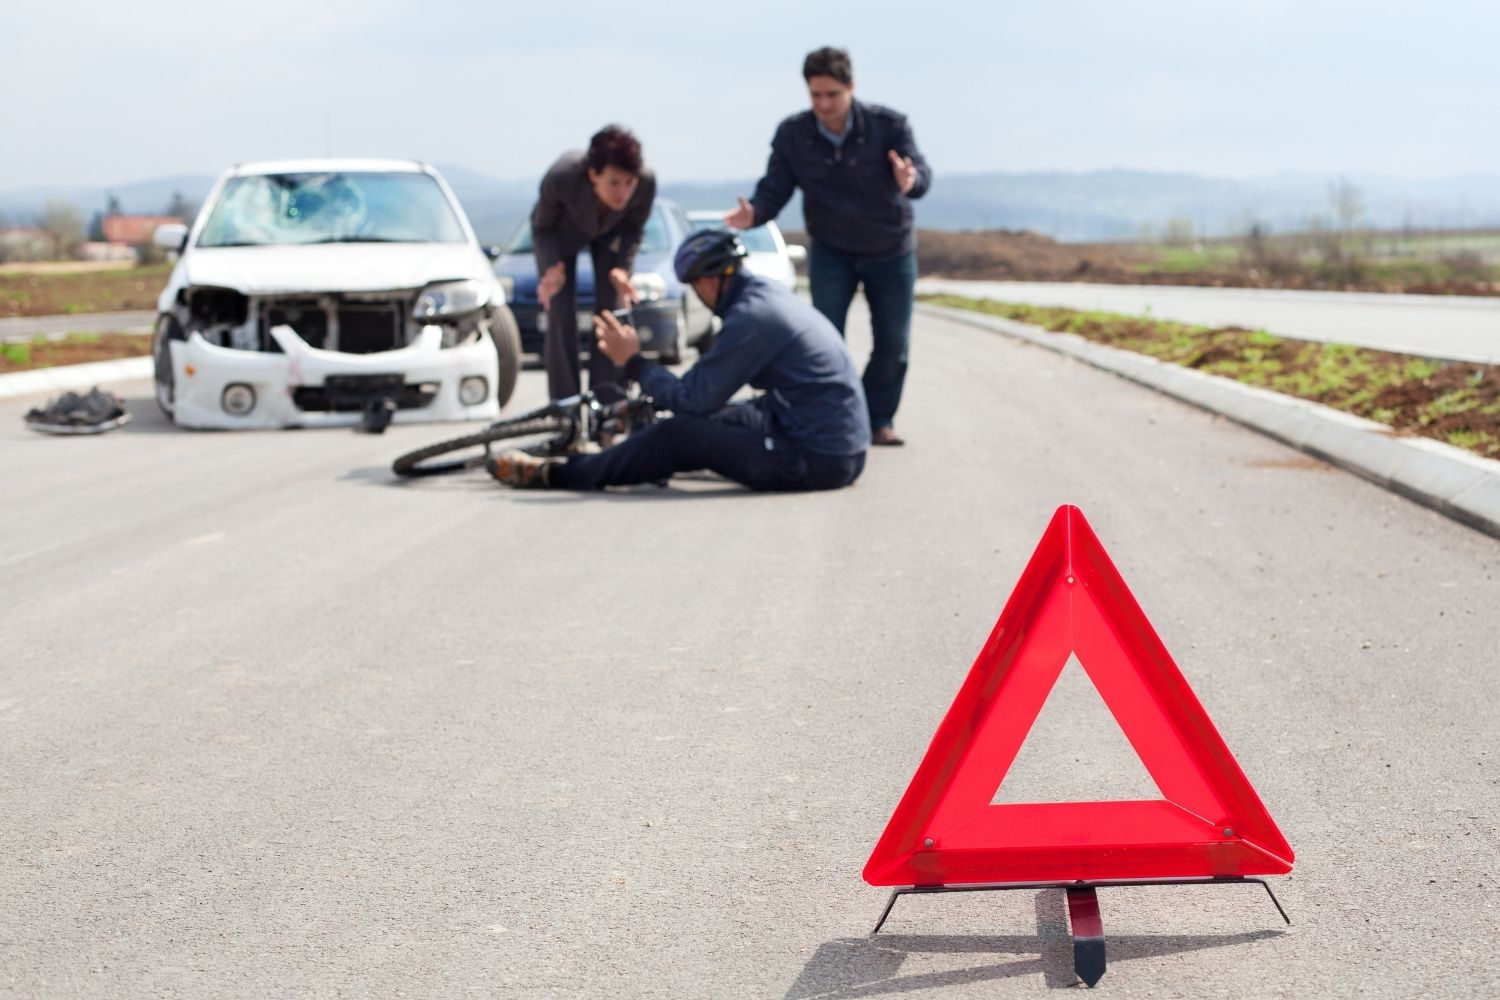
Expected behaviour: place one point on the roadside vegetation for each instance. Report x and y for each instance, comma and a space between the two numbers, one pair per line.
1438, 263
67, 293
74, 349
1454, 402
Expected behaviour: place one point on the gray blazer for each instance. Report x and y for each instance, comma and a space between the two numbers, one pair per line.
566, 217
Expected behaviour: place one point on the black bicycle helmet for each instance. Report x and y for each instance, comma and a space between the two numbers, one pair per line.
711, 253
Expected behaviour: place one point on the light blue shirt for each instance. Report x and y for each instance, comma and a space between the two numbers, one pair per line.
837, 138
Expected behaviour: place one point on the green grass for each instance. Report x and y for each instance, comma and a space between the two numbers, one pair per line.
1458, 403
1190, 260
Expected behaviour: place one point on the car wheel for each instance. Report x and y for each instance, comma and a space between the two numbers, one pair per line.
506, 336
167, 330
672, 354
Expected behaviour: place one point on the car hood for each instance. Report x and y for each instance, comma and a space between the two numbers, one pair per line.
333, 267
522, 268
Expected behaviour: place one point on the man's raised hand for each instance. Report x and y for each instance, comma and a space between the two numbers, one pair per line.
741, 217
618, 341
904, 170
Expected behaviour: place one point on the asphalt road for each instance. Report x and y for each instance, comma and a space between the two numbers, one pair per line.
28, 327
274, 725
1463, 328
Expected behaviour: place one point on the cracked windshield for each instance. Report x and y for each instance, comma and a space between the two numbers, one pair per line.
282, 209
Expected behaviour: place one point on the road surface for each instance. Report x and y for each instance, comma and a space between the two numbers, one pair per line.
28, 327
274, 725
1463, 328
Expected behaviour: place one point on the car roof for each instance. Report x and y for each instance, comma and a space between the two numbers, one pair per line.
704, 214
330, 165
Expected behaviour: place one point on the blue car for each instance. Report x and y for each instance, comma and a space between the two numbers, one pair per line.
669, 317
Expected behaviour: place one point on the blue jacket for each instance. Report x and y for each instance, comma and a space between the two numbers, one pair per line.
849, 194
774, 341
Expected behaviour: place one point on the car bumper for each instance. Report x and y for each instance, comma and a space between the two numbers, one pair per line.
655, 323
306, 387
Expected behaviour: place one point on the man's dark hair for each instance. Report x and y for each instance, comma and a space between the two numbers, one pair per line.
613, 146
828, 61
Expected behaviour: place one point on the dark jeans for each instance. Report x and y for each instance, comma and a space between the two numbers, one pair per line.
736, 443
889, 288
560, 349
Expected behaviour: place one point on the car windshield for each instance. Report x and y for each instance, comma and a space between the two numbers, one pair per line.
654, 240
342, 207
757, 240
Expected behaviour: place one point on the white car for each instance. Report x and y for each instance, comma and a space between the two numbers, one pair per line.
310, 291
771, 256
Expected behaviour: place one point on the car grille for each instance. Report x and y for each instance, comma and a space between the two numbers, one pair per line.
365, 328
362, 327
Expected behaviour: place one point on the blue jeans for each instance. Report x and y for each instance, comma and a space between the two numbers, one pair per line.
737, 443
889, 288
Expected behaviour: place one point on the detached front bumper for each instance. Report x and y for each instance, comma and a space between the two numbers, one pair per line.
306, 387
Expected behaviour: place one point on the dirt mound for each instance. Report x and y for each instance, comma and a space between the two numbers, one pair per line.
1024, 255
1019, 255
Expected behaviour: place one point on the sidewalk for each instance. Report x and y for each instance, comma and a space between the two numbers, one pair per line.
79, 377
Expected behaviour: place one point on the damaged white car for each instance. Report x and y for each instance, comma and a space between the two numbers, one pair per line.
313, 293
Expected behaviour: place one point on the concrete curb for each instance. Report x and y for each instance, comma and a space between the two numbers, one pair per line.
81, 377
1450, 480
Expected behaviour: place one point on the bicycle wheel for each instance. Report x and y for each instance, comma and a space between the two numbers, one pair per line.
470, 451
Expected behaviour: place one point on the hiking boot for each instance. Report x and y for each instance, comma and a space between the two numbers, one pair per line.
520, 470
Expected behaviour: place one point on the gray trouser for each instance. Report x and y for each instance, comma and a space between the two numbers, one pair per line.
560, 351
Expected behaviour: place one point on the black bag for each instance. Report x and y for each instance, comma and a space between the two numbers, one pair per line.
72, 413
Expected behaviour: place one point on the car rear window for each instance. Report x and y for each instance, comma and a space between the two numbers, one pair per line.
342, 207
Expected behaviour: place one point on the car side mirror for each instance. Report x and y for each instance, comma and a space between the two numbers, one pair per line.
797, 252
172, 236
493, 252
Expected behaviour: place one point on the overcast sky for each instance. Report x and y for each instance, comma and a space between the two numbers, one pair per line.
103, 91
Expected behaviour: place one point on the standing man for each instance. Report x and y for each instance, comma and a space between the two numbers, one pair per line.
858, 167
598, 199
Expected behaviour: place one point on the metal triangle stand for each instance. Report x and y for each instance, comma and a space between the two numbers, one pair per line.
1083, 910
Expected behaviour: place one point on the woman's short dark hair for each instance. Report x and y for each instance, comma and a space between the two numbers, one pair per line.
828, 61
613, 146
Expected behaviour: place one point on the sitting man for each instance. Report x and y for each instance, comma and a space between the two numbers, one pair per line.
808, 430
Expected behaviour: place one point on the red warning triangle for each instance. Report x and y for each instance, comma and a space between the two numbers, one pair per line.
1071, 599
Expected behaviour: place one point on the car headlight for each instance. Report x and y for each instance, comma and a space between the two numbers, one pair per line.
650, 287
451, 298
507, 286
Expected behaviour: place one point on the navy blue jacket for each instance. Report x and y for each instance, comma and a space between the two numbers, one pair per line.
849, 194
773, 341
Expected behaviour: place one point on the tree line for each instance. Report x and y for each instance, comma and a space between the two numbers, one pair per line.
61, 230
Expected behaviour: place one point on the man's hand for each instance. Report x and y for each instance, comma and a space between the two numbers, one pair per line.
742, 217
618, 341
550, 284
904, 170
620, 278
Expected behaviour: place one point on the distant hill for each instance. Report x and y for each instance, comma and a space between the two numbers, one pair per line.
1098, 205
